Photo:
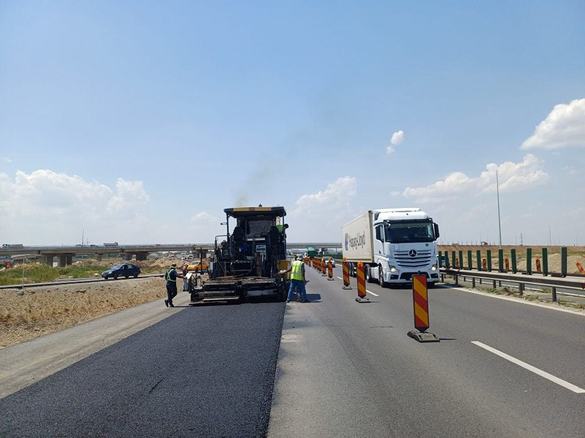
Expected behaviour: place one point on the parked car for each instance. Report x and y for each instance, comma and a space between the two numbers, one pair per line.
126, 270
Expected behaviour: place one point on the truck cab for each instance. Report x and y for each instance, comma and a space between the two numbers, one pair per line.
404, 244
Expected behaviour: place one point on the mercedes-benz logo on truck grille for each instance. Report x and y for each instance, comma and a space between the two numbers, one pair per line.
412, 253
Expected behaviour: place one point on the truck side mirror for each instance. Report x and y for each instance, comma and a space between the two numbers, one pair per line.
436, 230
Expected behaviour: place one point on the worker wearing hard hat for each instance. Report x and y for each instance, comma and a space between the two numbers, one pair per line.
297, 281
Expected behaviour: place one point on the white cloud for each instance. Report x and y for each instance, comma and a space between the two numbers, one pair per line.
6, 160
336, 194
563, 127
52, 207
512, 177
319, 216
128, 195
203, 218
396, 139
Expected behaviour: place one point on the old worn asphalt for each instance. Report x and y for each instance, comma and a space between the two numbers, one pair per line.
206, 371
349, 369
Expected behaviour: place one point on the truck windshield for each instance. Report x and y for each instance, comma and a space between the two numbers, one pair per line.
410, 231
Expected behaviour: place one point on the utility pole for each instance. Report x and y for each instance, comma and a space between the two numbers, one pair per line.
549, 236
499, 217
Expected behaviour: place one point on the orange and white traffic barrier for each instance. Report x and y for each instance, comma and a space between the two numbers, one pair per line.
361, 284
507, 264
323, 267
484, 264
580, 268
346, 284
330, 271
420, 302
538, 266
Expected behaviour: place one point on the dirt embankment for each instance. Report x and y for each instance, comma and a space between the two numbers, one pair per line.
26, 314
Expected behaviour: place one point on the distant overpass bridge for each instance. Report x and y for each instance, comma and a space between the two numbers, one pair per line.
65, 254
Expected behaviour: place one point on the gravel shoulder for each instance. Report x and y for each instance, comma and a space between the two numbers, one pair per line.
30, 313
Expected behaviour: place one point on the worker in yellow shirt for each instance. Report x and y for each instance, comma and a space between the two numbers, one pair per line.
297, 281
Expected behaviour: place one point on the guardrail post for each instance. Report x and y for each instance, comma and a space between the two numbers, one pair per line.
494, 284
545, 261
564, 256
501, 260
478, 256
473, 282
529, 261
521, 288
554, 294
489, 260
469, 260
514, 264
456, 280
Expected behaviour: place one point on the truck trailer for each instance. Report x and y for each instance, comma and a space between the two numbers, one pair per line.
393, 244
248, 261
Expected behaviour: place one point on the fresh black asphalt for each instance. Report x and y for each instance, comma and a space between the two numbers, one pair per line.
206, 371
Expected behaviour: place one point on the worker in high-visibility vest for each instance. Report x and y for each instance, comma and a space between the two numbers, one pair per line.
171, 281
297, 281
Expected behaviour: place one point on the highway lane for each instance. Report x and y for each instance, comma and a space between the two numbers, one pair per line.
206, 371
348, 369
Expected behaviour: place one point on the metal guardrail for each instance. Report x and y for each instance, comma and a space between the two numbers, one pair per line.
522, 280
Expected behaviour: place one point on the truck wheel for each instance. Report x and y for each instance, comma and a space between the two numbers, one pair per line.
369, 278
381, 277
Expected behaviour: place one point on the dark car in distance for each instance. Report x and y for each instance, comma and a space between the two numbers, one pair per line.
125, 270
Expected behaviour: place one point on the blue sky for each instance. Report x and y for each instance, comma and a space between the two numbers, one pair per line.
141, 121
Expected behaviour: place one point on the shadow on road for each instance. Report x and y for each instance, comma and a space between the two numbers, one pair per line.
314, 298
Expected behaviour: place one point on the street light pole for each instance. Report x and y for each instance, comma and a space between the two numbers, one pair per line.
499, 216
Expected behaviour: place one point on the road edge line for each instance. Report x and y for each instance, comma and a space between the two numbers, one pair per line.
567, 385
516, 300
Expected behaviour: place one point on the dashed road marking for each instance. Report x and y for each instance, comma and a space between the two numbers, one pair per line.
529, 367
368, 291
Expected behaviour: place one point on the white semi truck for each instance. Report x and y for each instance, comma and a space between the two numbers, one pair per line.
393, 244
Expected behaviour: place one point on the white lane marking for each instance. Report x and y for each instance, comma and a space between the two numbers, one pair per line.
529, 367
368, 291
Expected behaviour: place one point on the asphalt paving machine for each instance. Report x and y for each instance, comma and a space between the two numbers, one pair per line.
250, 260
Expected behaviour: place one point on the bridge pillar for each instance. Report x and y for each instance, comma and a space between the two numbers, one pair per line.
141, 255
65, 260
48, 259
